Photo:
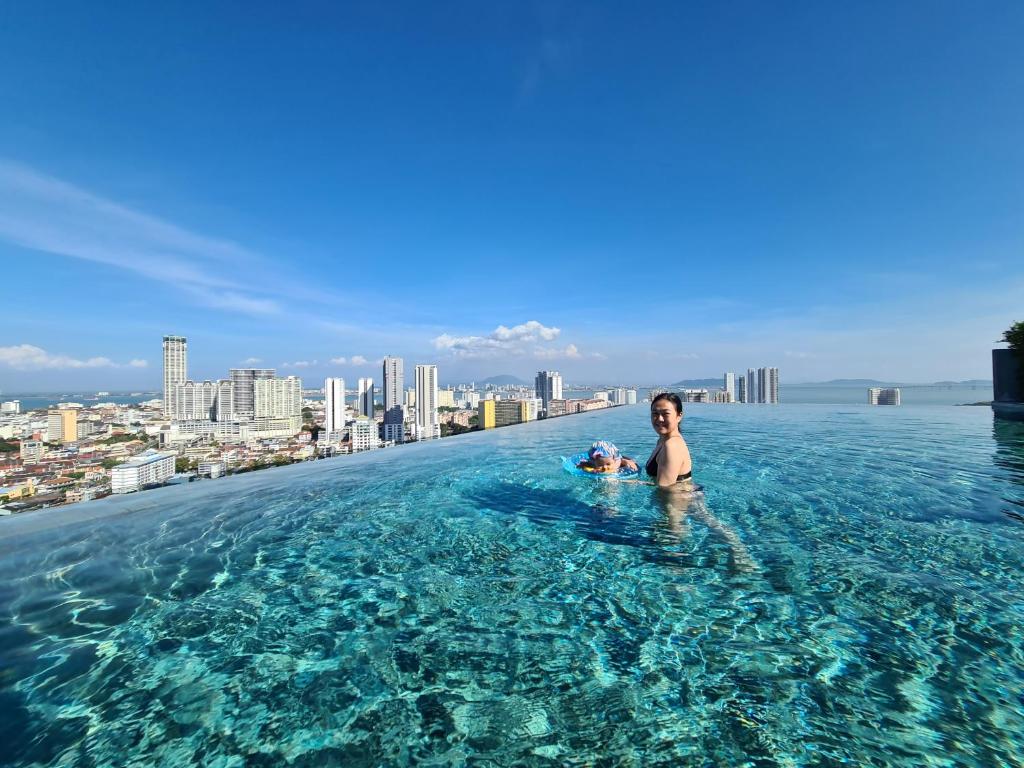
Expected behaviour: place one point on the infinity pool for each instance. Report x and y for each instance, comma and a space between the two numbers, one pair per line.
848, 591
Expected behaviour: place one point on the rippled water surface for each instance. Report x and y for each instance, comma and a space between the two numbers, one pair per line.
848, 591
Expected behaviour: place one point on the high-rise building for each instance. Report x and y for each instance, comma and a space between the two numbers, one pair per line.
243, 382
548, 386
196, 400
762, 385
730, 387
225, 410
365, 401
751, 385
741, 389
884, 396
630, 397
10, 406
278, 398
334, 405
485, 414
394, 384
772, 395
175, 371
428, 426
62, 425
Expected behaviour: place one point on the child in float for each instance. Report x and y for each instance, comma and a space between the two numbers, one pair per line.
603, 457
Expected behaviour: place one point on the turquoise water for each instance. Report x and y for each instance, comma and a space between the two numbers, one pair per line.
848, 591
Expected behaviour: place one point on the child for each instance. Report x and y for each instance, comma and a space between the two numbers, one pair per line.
604, 457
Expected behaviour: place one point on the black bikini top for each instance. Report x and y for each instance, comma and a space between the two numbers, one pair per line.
652, 466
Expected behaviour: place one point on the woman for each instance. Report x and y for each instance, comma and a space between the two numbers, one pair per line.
672, 469
670, 462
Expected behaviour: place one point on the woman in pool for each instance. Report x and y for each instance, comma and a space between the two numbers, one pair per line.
672, 470
670, 461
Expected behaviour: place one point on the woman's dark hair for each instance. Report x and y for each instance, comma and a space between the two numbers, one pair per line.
673, 398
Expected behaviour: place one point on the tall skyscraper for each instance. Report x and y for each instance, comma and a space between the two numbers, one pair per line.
428, 426
730, 386
394, 384
762, 385
334, 405
175, 371
772, 395
751, 385
243, 382
365, 401
741, 389
548, 387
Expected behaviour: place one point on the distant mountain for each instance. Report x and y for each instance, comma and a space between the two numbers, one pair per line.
877, 383
503, 380
699, 383
848, 383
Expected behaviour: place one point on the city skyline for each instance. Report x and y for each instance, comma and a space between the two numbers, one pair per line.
655, 209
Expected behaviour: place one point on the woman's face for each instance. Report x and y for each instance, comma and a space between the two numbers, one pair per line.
664, 418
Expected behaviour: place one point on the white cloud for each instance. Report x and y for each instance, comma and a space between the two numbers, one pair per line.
358, 360
300, 364
26, 357
502, 341
136, 363
338, 360
251, 360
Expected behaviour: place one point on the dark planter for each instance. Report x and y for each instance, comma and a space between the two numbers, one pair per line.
1007, 385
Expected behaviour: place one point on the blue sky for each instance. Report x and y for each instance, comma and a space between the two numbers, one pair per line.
625, 193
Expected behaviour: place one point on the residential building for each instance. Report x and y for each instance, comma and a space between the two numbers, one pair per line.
364, 434
243, 384
10, 406
148, 468
751, 385
884, 396
212, 469
730, 386
394, 384
508, 412
334, 405
195, 400
445, 398
601, 396
175, 371
278, 398
32, 451
772, 393
365, 397
617, 396
741, 389
427, 425
548, 386
225, 409
630, 397
485, 414
556, 408
62, 425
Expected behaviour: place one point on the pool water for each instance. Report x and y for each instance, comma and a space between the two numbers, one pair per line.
846, 591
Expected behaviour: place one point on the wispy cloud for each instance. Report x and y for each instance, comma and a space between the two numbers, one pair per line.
354, 360
43, 213
252, 360
26, 357
301, 364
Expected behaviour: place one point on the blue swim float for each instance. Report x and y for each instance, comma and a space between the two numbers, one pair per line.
569, 465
